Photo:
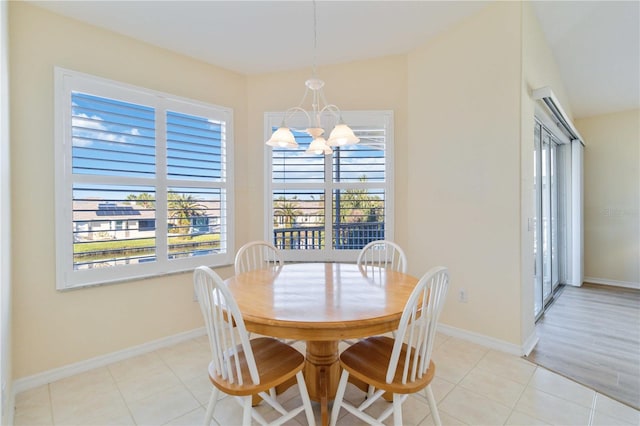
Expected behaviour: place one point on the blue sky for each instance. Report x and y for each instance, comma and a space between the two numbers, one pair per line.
115, 138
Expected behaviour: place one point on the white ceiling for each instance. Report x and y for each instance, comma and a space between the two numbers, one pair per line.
596, 43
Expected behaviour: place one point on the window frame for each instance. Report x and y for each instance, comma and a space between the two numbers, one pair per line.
382, 119
65, 83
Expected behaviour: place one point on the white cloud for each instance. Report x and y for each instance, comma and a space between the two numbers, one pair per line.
86, 121
91, 127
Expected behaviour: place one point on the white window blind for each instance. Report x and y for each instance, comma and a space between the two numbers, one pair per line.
143, 185
329, 207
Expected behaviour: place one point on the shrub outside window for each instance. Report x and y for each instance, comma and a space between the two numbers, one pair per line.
326, 208
143, 182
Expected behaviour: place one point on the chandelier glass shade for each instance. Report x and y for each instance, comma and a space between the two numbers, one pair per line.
283, 138
341, 134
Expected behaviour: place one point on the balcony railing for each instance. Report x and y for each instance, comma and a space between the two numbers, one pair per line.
346, 236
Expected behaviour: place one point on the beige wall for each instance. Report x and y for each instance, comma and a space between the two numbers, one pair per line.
6, 382
56, 329
538, 70
50, 328
471, 122
464, 157
377, 84
612, 198
459, 138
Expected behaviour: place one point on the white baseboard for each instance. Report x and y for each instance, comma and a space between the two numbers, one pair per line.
603, 281
30, 382
10, 408
529, 343
490, 342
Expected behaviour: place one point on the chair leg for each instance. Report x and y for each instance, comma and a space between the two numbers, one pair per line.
432, 405
213, 399
337, 402
246, 411
306, 401
397, 410
370, 391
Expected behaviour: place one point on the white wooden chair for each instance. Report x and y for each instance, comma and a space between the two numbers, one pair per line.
400, 366
241, 367
382, 253
257, 255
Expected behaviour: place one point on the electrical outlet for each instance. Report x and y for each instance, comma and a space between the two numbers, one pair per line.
462, 296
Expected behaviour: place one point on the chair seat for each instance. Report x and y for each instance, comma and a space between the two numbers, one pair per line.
242, 368
368, 360
277, 362
372, 360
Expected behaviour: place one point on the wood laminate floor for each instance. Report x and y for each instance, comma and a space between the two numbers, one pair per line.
591, 334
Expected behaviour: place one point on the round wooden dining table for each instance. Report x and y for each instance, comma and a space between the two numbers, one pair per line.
321, 303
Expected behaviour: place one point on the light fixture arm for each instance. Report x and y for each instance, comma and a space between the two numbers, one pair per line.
291, 112
333, 109
315, 86
341, 133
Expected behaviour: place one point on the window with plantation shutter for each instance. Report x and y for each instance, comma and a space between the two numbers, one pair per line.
143, 182
329, 207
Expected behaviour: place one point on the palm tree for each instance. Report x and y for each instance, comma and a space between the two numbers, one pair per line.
288, 210
144, 199
184, 207
357, 205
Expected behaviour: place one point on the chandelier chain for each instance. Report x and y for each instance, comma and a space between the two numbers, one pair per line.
341, 133
315, 40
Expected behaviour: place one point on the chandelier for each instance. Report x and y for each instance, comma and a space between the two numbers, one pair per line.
340, 135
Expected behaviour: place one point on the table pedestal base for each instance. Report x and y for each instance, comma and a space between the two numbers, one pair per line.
322, 373
322, 367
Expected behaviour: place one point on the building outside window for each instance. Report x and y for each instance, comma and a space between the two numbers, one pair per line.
329, 207
142, 177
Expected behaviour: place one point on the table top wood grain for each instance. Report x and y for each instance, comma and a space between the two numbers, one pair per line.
321, 301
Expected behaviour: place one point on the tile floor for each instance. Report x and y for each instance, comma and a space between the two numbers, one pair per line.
473, 386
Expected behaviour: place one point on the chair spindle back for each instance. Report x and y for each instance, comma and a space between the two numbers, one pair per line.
383, 253
418, 324
257, 255
228, 337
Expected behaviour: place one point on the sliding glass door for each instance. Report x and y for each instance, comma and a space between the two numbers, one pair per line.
547, 238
